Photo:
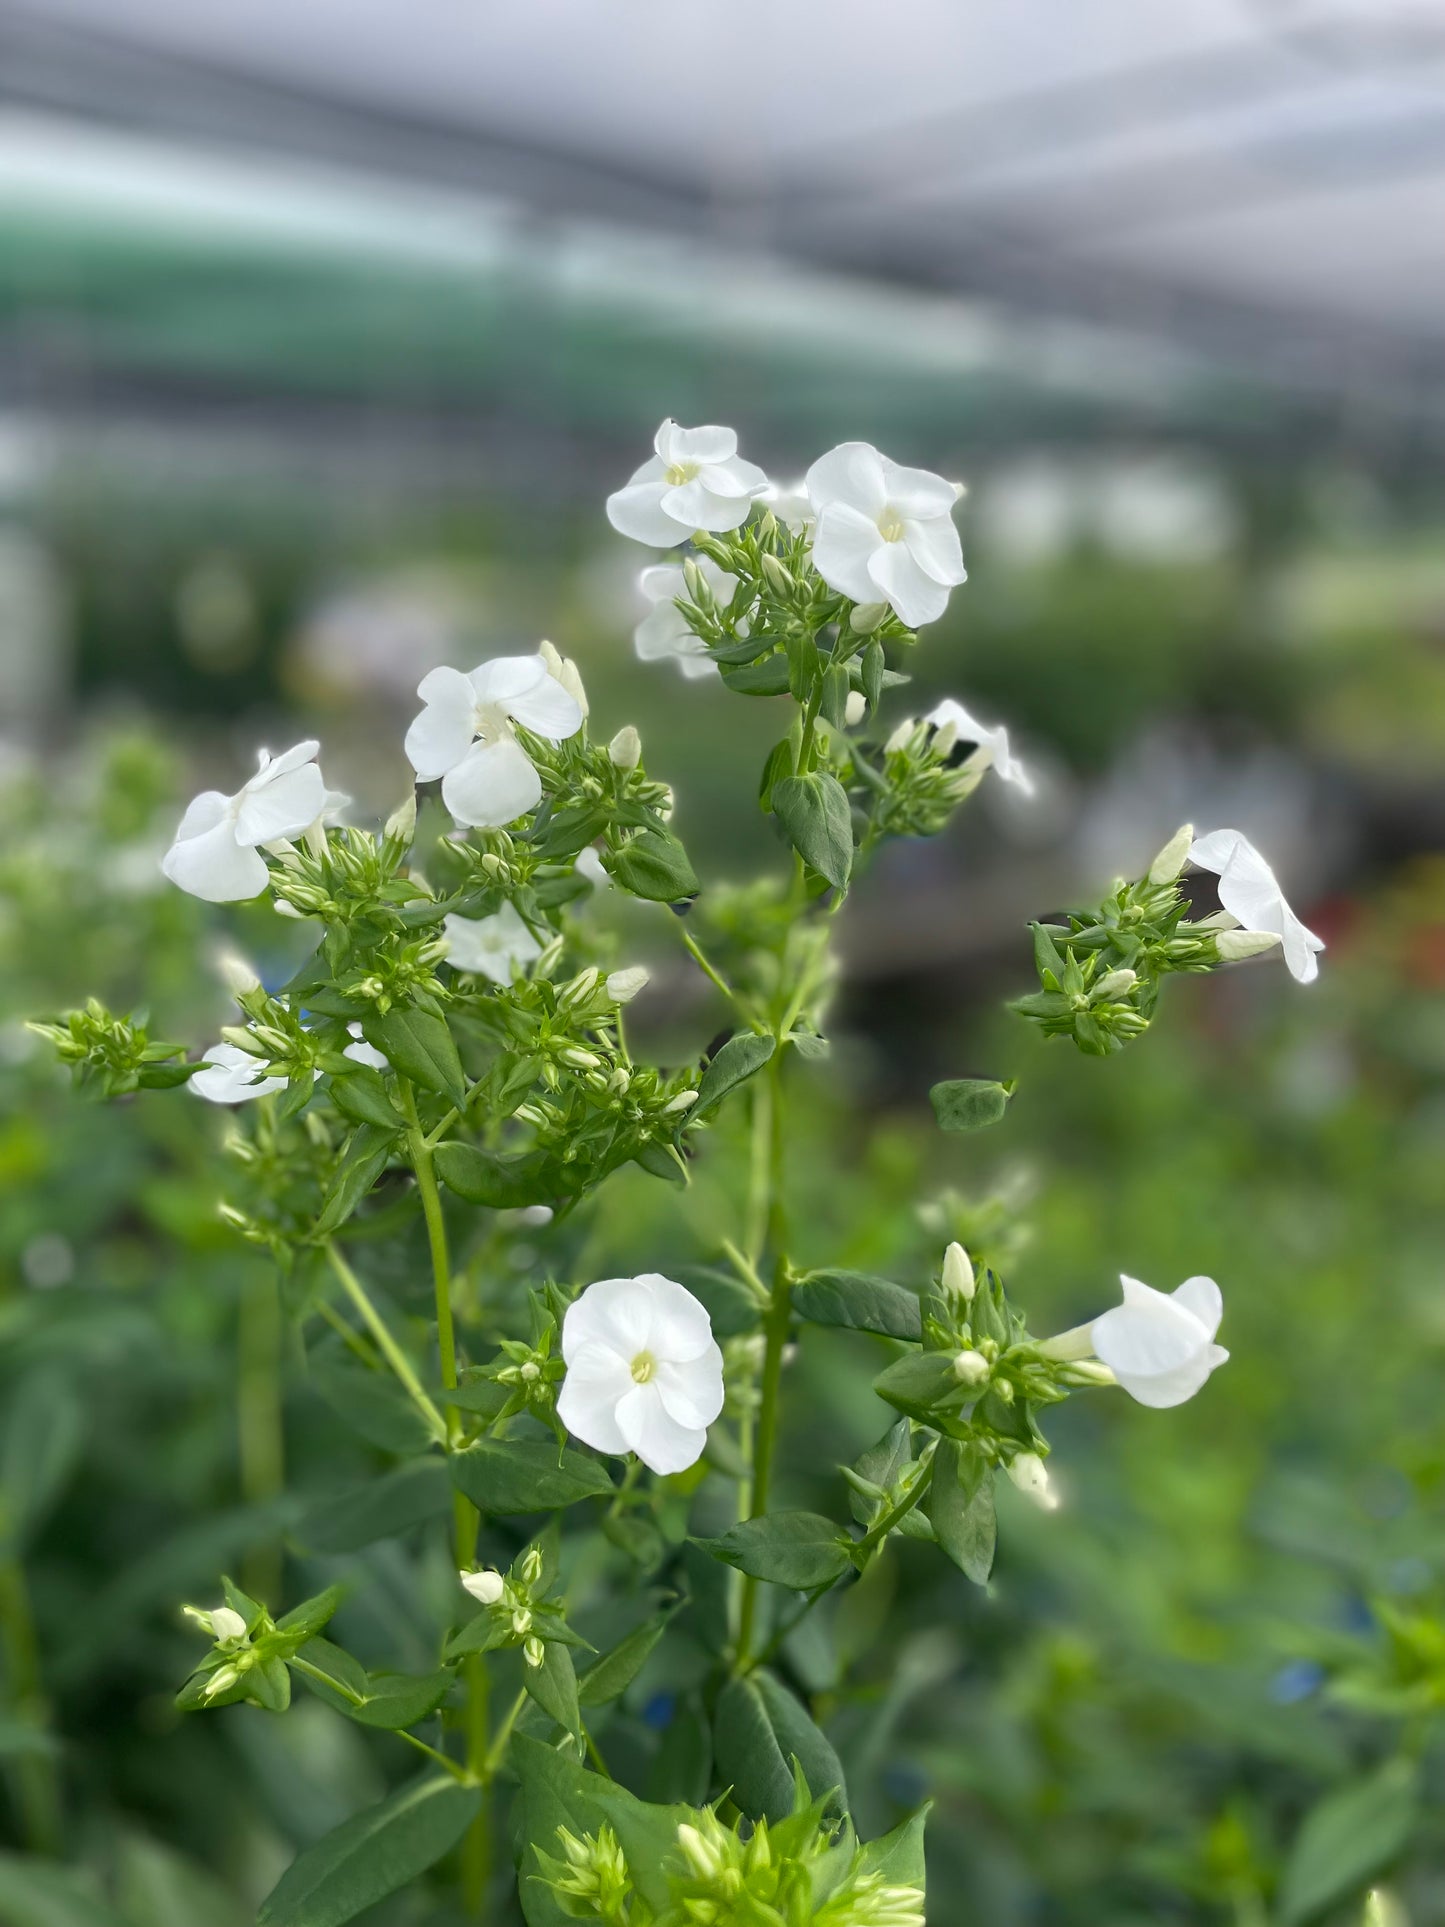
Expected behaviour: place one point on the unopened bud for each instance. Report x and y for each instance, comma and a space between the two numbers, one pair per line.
684, 1101
579, 1059
867, 617
223, 1677
625, 749
285, 909
777, 577
531, 1567
1235, 945
620, 1079
957, 1273
1383, 1909
855, 708
701, 1855
227, 1623
971, 1368
1030, 1475
521, 1622
944, 740
1118, 983
699, 589
244, 1038
236, 974
562, 669
485, 1587
623, 985
534, 1652
491, 865
1173, 857
582, 986
1091, 1371
402, 821
901, 737
530, 1372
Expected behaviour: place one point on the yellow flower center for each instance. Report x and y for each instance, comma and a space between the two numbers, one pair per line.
890, 525
643, 1367
680, 472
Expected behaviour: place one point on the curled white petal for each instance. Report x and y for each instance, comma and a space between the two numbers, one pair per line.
1250, 891
1161, 1346
991, 738
232, 1076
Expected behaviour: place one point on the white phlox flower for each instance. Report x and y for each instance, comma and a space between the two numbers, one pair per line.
497, 946
589, 864
885, 532
1160, 1346
360, 1052
465, 736
695, 479
232, 1076
486, 1587
665, 632
993, 750
1249, 890
215, 854
644, 1374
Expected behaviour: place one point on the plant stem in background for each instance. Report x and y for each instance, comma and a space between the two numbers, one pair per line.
775, 1328
386, 1344
261, 1436
36, 1777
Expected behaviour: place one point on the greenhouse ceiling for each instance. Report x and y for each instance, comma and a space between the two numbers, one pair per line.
1229, 210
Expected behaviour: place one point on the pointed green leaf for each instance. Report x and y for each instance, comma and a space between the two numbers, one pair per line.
859, 1301
797, 1549
372, 1855
760, 1729
420, 1046
969, 1103
1352, 1835
960, 1508
740, 1058
813, 810
526, 1475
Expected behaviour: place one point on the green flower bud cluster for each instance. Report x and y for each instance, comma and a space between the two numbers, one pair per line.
523, 1612
924, 778
112, 1056
1100, 975
250, 1657
349, 877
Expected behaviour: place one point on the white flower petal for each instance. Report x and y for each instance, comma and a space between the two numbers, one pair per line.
895, 574
692, 1394
708, 444
495, 946
1159, 1348
844, 544
851, 474
935, 547
282, 765
636, 511
613, 1314
588, 1403
917, 493
659, 1441
203, 813
547, 709
282, 806
442, 734
681, 1328
232, 1076
693, 505
214, 867
360, 1052
1250, 891
1203, 1298
492, 785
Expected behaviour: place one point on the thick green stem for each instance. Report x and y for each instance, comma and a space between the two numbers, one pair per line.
260, 1438
477, 1846
37, 1781
386, 1344
775, 1327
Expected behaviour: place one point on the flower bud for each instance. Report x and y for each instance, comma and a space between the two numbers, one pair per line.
1030, 1475
1117, 984
227, 1623
1235, 945
625, 749
531, 1568
867, 617
623, 985
223, 1677
491, 865
900, 738
402, 821
701, 1855
485, 1587
285, 909
521, 1622
944, 740
684, 1101
971, 1368
958, 1273
533, 1651
581, 987
777, 577
236, 974
1090, 1371
855, 708
1173, 857
620, 1080
699, 589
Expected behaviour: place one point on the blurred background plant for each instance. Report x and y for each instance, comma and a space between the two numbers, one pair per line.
307, 385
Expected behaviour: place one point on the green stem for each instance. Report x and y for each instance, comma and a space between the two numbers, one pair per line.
359, 1699
713, 974
353, 1341
776, 1326
386, 1344
497, 1751
260, 1437
36, 1776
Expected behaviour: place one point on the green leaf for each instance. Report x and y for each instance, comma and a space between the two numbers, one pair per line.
898, 1856
362, 1095
797, 1549
969, 1103
768, 678
398, 1700
760, 1729
380, 1509
918, 1383
362, 1163
1349, 1837
960, 1508
654, 865
372, 1404
740, 1058
43, 1436
348, 1675
482, 1177
34, 1893
615, 1671
420, 1046
525, 1475
813, 810
859, 1301
731, 1306
307, 1619
372, 1855
553, 1685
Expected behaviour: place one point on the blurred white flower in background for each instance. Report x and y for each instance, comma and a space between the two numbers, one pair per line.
993, 750
232, 1076
695, 480
1249, 890
496, 946
589, 865
360, 1052
885, 532
789, 502
215, 855
464, 735
644, 1374
665, 632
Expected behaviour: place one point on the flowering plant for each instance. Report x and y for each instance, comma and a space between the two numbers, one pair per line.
453, 1061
